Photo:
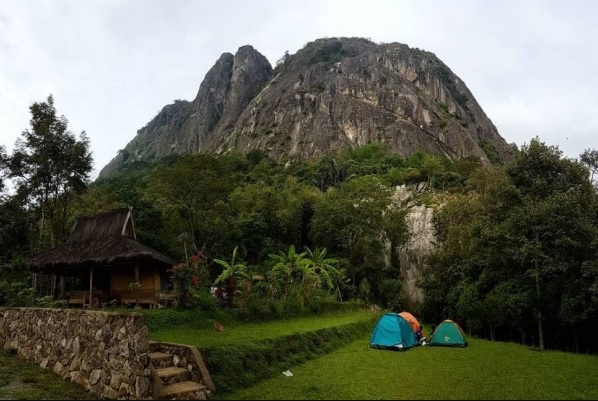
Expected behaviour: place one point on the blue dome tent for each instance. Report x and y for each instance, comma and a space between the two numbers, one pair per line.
393, 332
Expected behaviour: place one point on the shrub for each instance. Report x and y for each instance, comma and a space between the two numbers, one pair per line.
490, 151
191, 283
17, 293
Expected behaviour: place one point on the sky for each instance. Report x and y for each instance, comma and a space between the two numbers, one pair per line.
111, 65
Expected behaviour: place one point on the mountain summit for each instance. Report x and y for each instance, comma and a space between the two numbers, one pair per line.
331, 94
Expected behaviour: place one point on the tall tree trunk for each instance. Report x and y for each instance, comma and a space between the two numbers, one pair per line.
41, 228
539, 314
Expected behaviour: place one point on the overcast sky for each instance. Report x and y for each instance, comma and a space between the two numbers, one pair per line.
111, 65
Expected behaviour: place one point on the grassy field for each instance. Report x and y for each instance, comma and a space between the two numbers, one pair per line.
483, 370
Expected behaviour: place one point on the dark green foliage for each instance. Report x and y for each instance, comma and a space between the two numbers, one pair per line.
50, 167
263, 206
4, 161
391, 293
262, 310
16, 271
490, 152
517, 252
126, 188
17, 293
17, 228
158, 319
328, 52
182, 203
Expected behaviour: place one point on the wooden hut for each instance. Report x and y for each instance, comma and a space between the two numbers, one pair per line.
103, 261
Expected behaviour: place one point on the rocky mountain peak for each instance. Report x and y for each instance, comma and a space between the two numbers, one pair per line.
332, 93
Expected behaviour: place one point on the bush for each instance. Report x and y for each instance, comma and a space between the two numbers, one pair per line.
192, 284
49, 302
17, 293
157, 319
490, 151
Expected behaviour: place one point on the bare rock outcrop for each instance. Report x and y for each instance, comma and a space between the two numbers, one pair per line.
333, 93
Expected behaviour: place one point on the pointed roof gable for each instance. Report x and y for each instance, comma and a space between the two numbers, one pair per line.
102, 239
104, 225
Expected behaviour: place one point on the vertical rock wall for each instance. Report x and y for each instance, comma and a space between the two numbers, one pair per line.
413, 256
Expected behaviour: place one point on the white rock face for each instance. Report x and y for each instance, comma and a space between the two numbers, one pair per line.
414, 255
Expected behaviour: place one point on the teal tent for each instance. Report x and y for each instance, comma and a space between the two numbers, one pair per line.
448, 334
393, 332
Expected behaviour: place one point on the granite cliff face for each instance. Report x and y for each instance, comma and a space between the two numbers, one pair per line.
331, 94
190, 127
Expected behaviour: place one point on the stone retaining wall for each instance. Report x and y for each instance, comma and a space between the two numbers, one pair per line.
104, 352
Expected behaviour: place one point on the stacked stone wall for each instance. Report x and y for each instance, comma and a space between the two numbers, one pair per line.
104, 352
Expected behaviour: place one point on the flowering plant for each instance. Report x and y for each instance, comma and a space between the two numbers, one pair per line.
190, 279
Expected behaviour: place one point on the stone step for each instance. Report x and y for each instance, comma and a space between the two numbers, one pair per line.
160, 359
183, 391
173, 374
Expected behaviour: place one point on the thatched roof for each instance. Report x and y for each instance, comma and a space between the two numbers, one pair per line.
102, 239
115, 223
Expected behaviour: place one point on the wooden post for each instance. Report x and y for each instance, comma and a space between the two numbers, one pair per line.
137, 285
90, 287
61, 287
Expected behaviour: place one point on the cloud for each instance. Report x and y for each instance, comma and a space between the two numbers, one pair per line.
113, 64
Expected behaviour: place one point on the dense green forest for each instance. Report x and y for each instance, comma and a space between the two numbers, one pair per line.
516, 250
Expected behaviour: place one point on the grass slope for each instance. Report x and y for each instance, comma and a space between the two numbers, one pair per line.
244, 354
238, 334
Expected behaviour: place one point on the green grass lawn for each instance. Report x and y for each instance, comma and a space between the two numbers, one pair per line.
251, 332
483, 370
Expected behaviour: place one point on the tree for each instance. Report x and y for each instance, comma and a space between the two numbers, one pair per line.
16, 228
192, 187
589, 158
357, 220
51, 166
283, 59
518, 249
270, 216
3, 167
549, 227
